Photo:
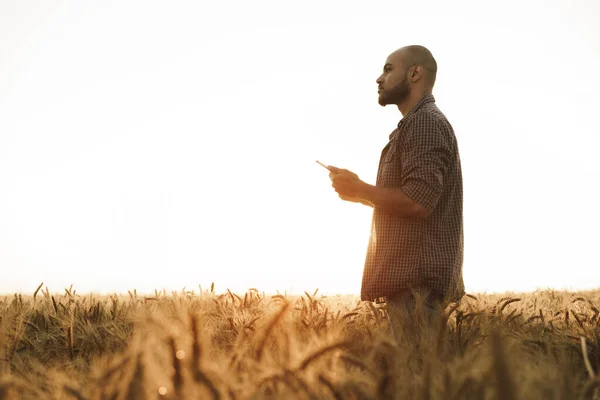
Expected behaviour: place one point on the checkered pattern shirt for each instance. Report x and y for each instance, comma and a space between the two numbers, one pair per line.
422, 160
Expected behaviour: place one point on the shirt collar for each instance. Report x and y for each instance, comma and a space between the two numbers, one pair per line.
427, 99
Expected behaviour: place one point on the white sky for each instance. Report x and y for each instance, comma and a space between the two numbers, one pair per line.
151, 144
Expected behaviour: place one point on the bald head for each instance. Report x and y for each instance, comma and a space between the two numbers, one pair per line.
408, 74
418, 55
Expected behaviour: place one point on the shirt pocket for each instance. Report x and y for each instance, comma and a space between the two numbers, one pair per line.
391, 154
390, 168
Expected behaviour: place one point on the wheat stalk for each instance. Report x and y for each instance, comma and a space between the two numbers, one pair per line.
74, 392
504, 385
319, 353
267, 331
37, 290
177, 377
586, 359
327, 383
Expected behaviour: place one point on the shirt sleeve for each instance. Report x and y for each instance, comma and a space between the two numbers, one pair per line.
426, 154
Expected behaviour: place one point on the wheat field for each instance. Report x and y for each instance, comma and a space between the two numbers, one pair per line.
207, 345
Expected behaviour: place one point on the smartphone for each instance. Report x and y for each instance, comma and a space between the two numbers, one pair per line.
323, 165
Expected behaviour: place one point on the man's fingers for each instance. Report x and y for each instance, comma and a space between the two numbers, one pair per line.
340, 172
341, 179
338, 187
342, 188
338, 183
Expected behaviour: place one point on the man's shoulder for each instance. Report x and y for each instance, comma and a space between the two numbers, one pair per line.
429, 123
431, 116
430, 112
428, 118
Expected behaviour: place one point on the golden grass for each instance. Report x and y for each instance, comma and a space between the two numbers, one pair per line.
187, 345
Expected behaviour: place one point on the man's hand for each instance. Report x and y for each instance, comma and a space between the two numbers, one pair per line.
348, 185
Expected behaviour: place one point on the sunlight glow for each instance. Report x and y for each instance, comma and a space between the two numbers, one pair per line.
150, 145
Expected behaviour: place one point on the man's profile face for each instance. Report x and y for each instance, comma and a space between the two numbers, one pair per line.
393, 87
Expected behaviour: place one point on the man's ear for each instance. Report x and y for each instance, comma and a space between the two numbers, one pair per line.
416, 73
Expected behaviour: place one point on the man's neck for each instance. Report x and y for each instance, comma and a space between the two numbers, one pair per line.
412, 101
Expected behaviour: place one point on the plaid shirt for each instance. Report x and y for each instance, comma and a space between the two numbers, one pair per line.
422, 160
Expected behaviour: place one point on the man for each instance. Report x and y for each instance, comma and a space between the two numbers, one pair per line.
415, 253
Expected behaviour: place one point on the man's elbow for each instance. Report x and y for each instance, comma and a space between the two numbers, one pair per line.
420, 212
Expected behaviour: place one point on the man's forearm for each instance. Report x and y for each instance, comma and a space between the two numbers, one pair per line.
357, 200
366, 202
392, 201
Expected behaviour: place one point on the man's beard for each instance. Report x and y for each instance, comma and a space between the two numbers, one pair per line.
396, 95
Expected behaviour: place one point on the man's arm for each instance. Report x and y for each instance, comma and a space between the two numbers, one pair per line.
390, 200
357, 200
425, 158
393, 201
